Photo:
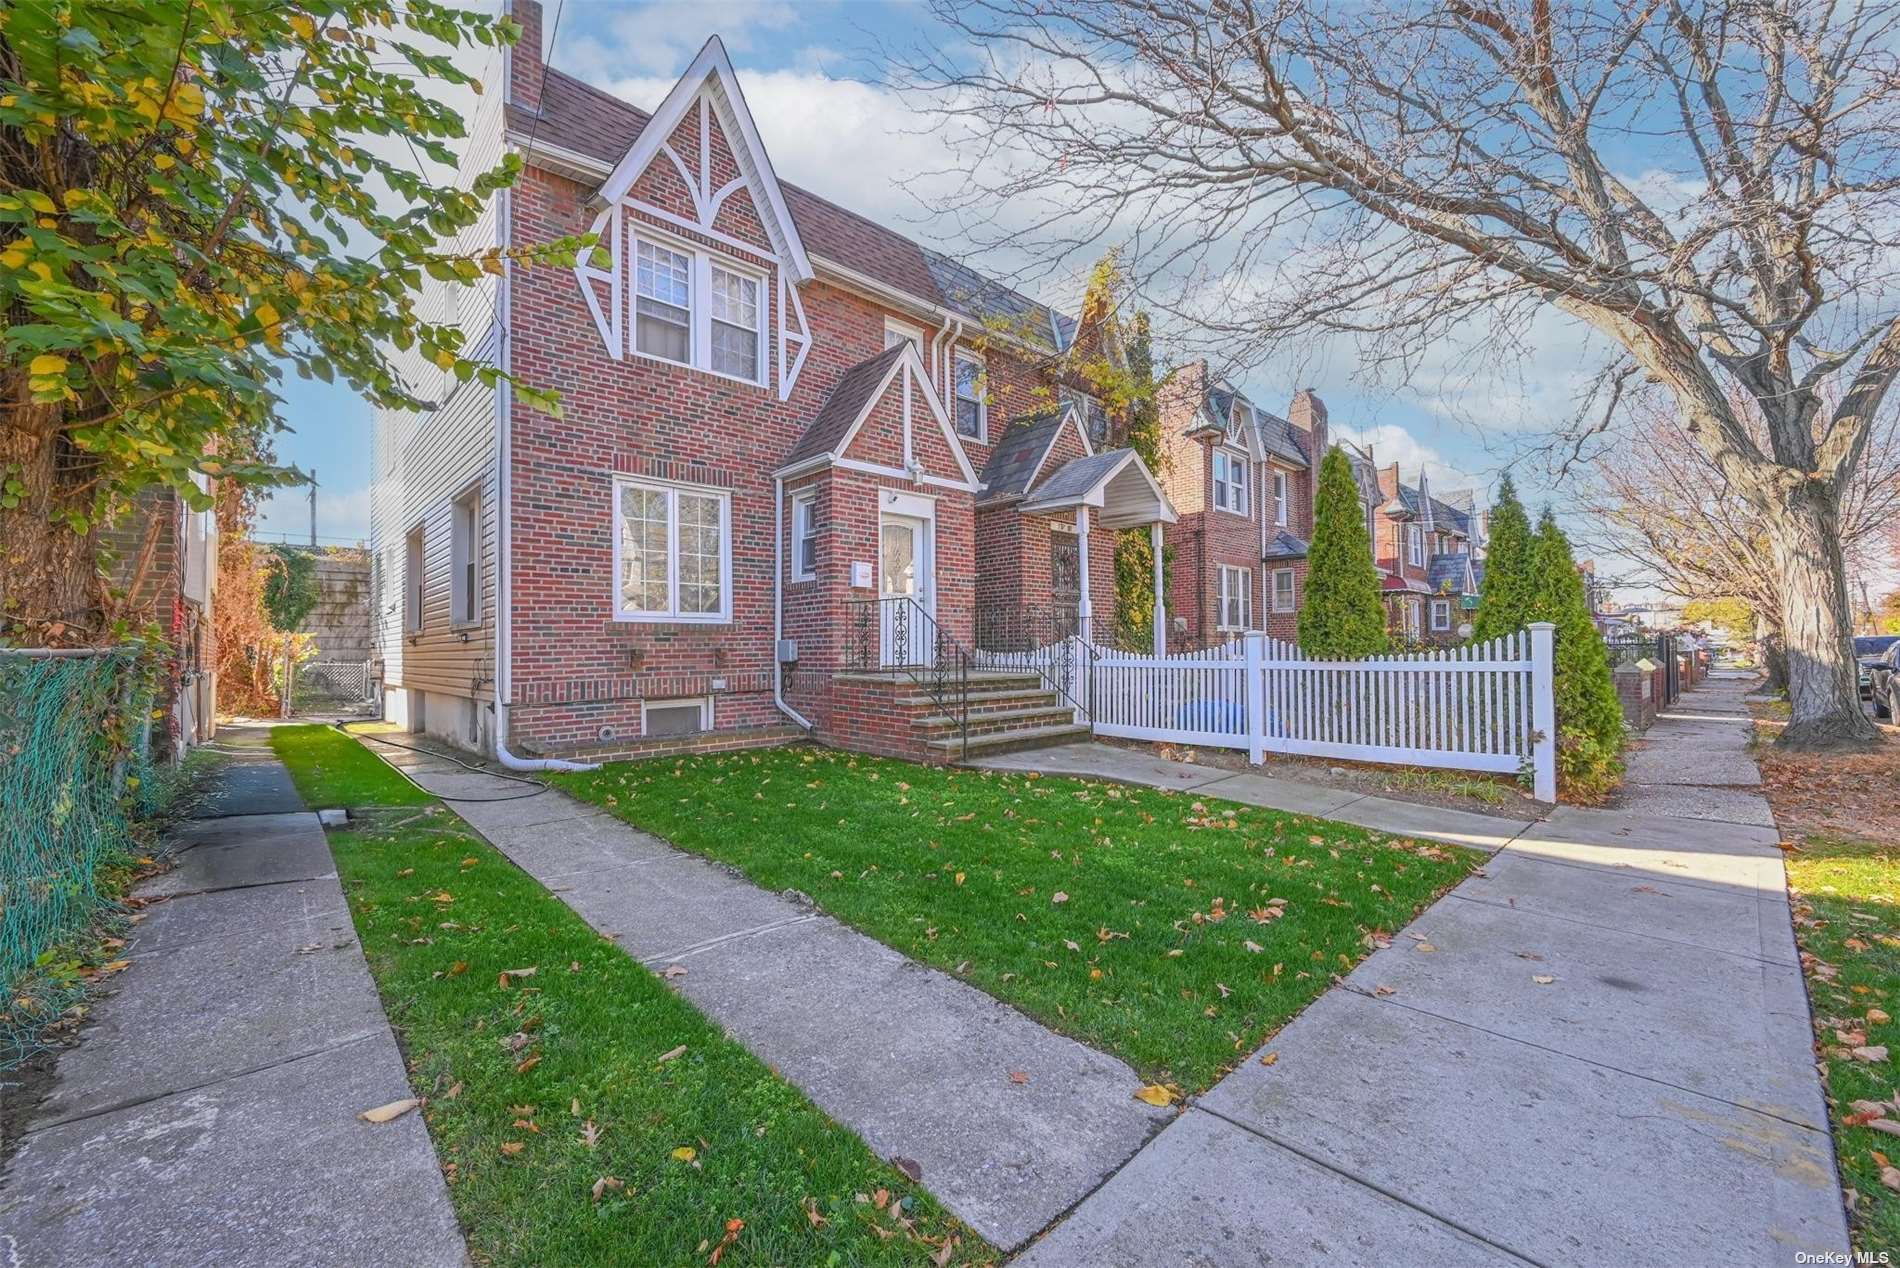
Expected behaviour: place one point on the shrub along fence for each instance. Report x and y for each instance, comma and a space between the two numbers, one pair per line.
75, 744
1488, 707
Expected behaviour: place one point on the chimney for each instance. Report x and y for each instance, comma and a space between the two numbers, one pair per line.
1308, 414
1389, 482
527, 67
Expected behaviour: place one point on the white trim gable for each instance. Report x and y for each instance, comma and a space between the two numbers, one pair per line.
711, 87
915, 380
794, 337
608, 315
1070, 416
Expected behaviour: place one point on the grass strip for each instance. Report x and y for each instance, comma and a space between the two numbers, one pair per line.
585, 1113
1173, 930
331, 769
1847, 918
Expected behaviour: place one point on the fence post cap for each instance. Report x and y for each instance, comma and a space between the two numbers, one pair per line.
1543, 625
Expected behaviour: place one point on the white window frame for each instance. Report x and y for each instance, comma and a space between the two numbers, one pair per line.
465, 559
982, 433
1280, 498
804, 528
1441, 608
415, 578
699, 306
1292, 590
1411, 618
895, 330
672, 615
1230, 489
724, 265
705, 704
1234, 586
1415, 545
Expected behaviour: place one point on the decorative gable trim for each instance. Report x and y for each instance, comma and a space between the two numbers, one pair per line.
710, 86
794, 337
606, 308
916, 384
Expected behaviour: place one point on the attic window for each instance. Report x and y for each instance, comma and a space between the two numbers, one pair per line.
971, 411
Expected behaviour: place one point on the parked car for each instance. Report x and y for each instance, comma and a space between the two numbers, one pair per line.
1884, 680
1870, 650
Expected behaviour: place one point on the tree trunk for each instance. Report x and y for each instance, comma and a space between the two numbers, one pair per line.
49, 591
1774, 654
1823, 684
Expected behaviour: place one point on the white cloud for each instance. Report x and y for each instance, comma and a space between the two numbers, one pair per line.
1391, 443
342, 516
660, 38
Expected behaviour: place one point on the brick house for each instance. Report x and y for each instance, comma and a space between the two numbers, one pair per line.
1429, 550
164, 563
801, 458
1241, 480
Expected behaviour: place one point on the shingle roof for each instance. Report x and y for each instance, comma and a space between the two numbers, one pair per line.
841, 409
1017, 455
1276, 435
1077, 476
1284, 545
577, 116
1446, 569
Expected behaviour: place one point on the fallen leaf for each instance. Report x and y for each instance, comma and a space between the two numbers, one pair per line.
1019, 1076
1871, 1053
811, 1213
910, 1167
673, 970
1542, 979
590, 1134
1253, 946
1058, 897
395, 1109
606, 1184
732, 1234
1156, 1094
685, 1153
1269, 1058
455, 1090
943, 1254
1424, 946
1383, 991
512, 1147
522, 1067
671, 1054
1890, 1176
1877, 1017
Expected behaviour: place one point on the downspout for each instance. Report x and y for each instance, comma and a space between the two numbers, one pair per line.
778, 604
504, 535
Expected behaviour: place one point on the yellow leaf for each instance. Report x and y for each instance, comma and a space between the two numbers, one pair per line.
685, 1153
1156, 1094
303, 26
39, 202
48, 364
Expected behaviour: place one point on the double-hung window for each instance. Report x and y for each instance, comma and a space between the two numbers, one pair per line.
1441, 614
1279, 498
1415, 544
672, 552
971, 410
663, 303
1283, 600
804, 537
465, 559
412, 582
735, 324
1234, 593
1230, 482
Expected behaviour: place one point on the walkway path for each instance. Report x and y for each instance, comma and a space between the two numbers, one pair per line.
915, 1062
1693, 763
1603, 1059
209, 1114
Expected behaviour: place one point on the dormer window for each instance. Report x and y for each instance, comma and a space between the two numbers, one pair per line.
1415, 545
1230, 481
1279, 498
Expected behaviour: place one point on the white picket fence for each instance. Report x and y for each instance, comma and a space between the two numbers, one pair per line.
1486, 707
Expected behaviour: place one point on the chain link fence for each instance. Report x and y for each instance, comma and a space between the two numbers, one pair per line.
332, 685
75, 770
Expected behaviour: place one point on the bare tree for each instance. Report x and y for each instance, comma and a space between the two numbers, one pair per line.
1657, 499
1713, 189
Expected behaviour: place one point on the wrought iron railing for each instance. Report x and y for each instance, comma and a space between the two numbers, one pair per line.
1036, 639
895, 634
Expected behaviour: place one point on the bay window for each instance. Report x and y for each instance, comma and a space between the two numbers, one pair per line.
672, 552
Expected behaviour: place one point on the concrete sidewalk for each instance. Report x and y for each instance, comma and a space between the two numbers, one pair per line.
1604, 1058
917, 1063
209, 1113
1693, 762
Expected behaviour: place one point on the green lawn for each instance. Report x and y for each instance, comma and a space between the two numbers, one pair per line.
1847, 914
580, 1065
331, 769
1174, 931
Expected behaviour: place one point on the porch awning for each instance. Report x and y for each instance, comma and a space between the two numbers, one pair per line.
1117, 483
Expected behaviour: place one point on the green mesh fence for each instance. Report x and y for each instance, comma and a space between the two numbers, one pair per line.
74, 774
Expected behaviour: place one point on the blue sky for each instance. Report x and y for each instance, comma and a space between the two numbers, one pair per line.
804, 69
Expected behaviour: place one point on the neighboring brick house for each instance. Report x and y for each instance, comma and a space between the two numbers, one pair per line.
1430, 550
165, 563
796, 450
1241, 480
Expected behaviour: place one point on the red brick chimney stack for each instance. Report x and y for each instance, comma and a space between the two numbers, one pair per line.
527, 68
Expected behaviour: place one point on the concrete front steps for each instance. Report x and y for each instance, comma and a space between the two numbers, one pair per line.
890, 712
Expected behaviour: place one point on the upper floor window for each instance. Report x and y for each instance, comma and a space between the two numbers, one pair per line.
1279, 498
672, 552
895, 332
1230, 481
697, 309
663, 303
971, 411
412, 582
1415, 544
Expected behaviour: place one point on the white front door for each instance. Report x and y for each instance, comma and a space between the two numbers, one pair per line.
904, 573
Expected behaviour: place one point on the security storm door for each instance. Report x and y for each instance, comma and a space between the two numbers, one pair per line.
1065, 582
907, 596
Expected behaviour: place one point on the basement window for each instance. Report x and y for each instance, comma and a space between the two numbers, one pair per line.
659, 718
